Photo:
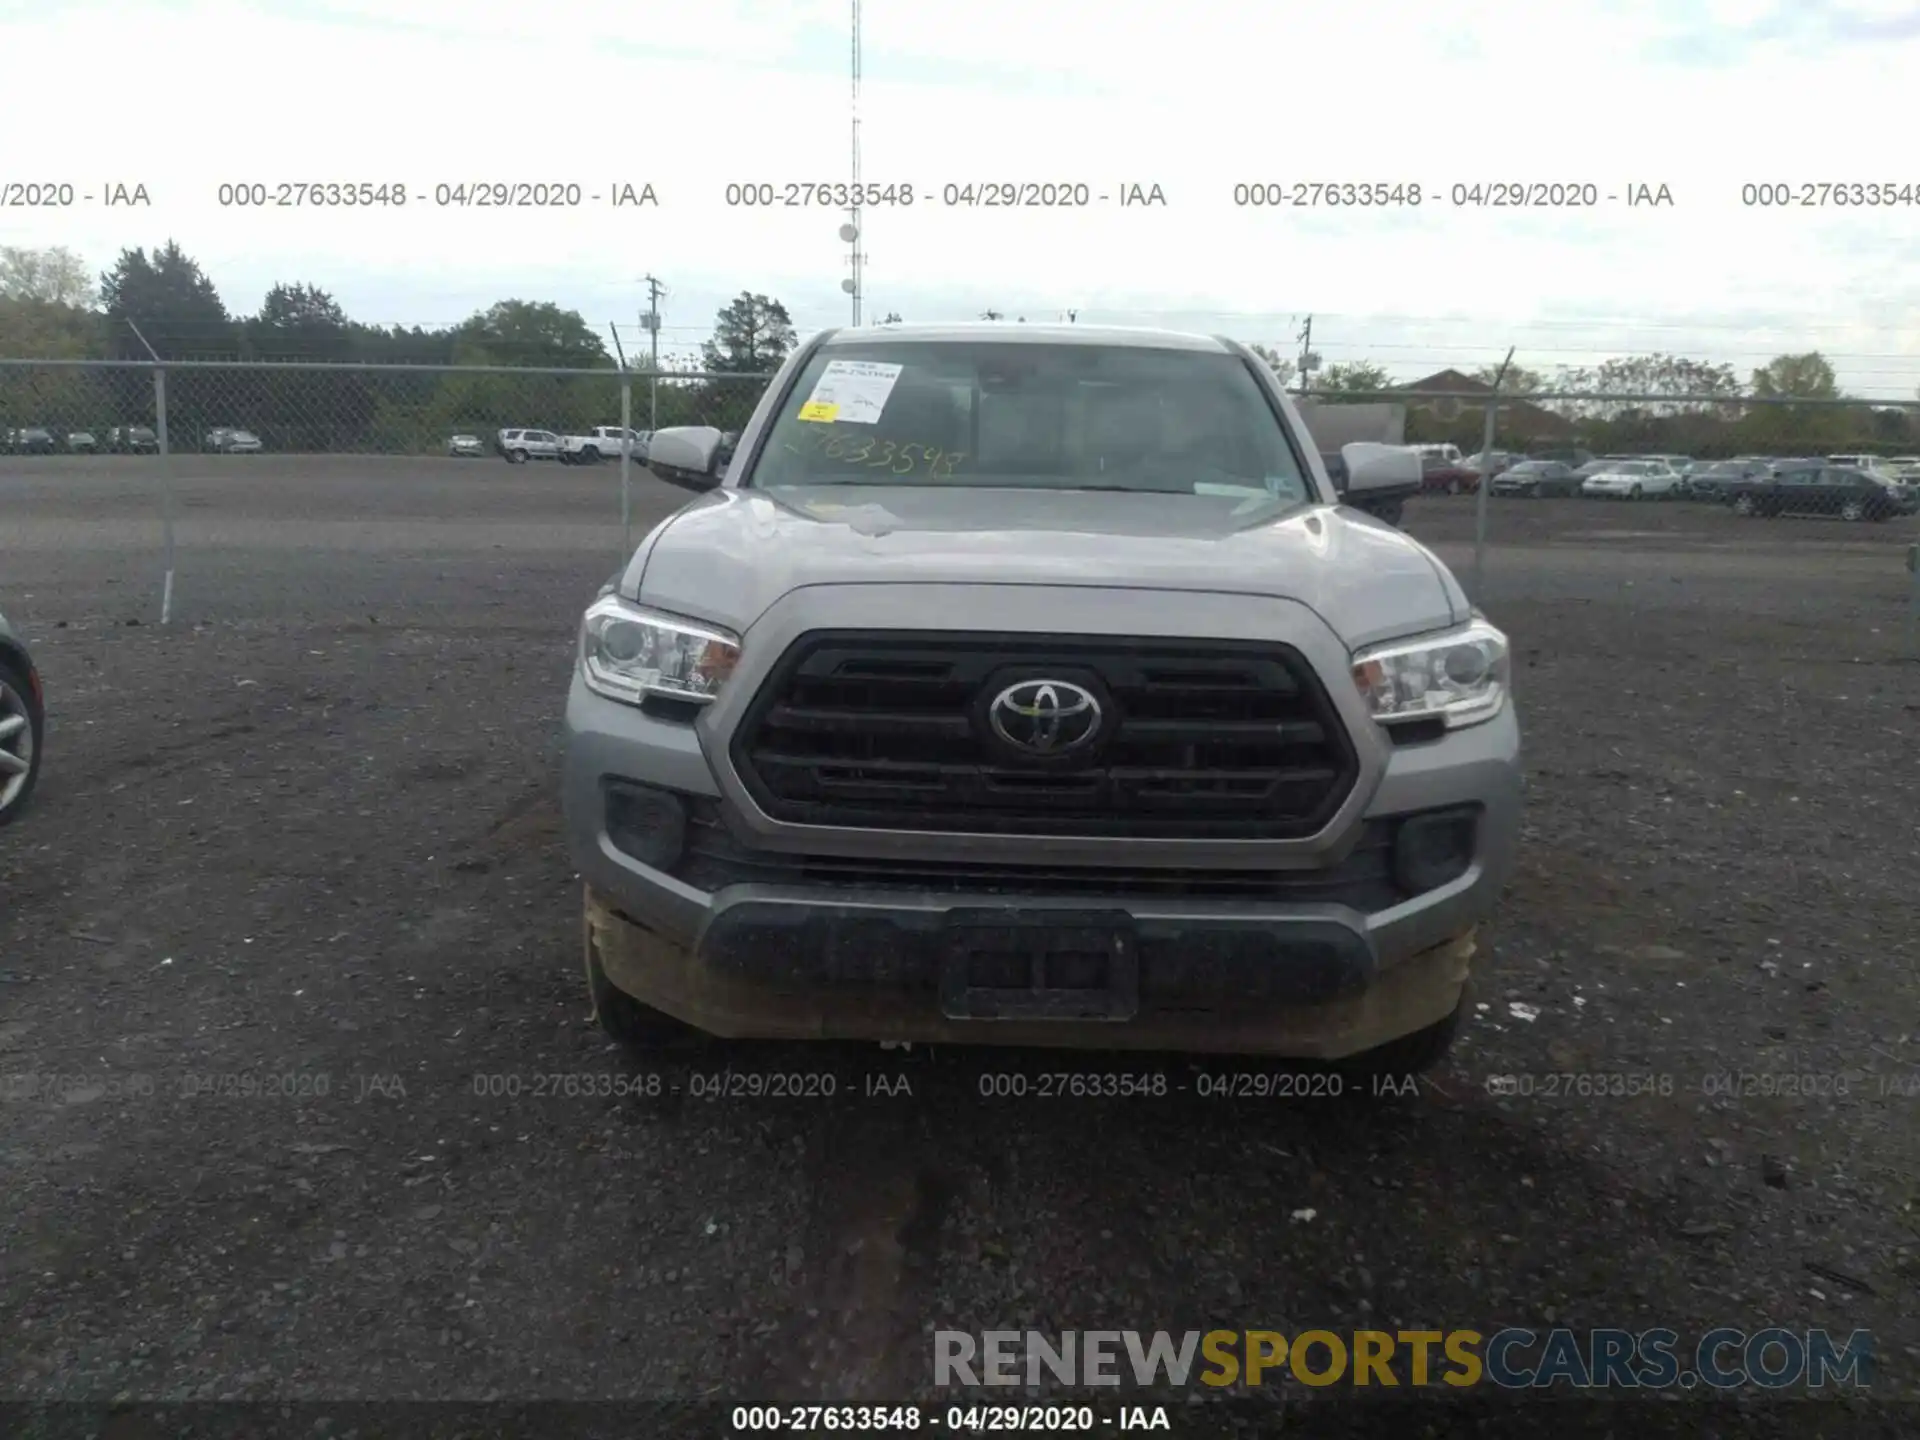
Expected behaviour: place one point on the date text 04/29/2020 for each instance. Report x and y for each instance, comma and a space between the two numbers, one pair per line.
481, 194
1460, 195
979, 194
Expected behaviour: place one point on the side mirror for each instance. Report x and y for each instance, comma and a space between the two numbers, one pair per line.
1373, 467
689, 456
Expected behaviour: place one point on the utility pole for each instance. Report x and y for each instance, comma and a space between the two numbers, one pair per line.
651, 323
1479, 593
1308, 360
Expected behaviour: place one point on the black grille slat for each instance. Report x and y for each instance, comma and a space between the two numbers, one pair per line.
838, 720
1296, 732
1203, 738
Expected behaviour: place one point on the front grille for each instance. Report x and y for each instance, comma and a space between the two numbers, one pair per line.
1364, 880
1200, 739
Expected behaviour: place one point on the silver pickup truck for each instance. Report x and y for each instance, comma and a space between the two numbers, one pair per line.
1031, 685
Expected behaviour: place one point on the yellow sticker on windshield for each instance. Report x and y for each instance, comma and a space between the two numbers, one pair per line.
819, 411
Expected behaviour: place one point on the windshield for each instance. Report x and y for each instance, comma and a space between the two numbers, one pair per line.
1031, 416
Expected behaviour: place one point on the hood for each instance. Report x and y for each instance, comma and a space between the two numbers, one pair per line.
731, 554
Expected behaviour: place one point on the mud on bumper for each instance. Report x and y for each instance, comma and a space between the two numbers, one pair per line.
768, 965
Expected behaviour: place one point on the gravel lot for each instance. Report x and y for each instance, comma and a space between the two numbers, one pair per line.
309, 830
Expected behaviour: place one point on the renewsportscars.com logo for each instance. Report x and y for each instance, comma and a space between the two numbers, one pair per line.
1511, 1358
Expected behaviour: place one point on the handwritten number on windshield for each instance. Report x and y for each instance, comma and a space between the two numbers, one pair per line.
872, 453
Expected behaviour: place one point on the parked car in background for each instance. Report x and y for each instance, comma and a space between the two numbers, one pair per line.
606, 442
32, 440
1710, 481
517, 447
133, 440
83, 442
23, 723
1905, 469
1631, 480
224, 440
1491, 463
1440, 475
1874, 463
1571, 456
466, 445
1538, 479
1601, 464
1813, 487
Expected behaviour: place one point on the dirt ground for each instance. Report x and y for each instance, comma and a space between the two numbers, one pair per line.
292, 931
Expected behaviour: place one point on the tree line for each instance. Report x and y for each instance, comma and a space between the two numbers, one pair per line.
1680, 406
163, 303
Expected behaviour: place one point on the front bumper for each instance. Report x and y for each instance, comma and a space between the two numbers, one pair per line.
1224, 970
792, 996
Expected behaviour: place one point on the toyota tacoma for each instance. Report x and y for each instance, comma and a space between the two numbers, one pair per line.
1033, 686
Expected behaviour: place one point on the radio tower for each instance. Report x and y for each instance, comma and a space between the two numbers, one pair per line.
852, 232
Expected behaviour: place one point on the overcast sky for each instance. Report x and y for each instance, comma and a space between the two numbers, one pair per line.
687, 97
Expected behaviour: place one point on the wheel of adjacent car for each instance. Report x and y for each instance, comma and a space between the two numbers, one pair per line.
21, 728
1743, 505
634, 1026
590, 455
516, 457
1634, 492
1853, 510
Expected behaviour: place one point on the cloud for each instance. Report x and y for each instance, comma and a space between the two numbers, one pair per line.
693, 98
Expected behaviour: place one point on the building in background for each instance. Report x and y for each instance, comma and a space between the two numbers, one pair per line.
1518, 419
1331, 426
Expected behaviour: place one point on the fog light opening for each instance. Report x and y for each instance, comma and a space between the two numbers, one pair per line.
1435, 850
647, 824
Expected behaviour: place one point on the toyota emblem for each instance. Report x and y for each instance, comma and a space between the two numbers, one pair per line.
1045, 717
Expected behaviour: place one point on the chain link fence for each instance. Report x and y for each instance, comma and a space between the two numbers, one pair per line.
1790, 517
259, 492
301, 493
94, 407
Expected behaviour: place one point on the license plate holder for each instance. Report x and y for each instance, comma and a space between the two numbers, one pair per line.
1040, 965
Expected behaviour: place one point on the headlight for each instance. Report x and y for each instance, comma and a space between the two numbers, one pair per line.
629, 653
1460, 676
